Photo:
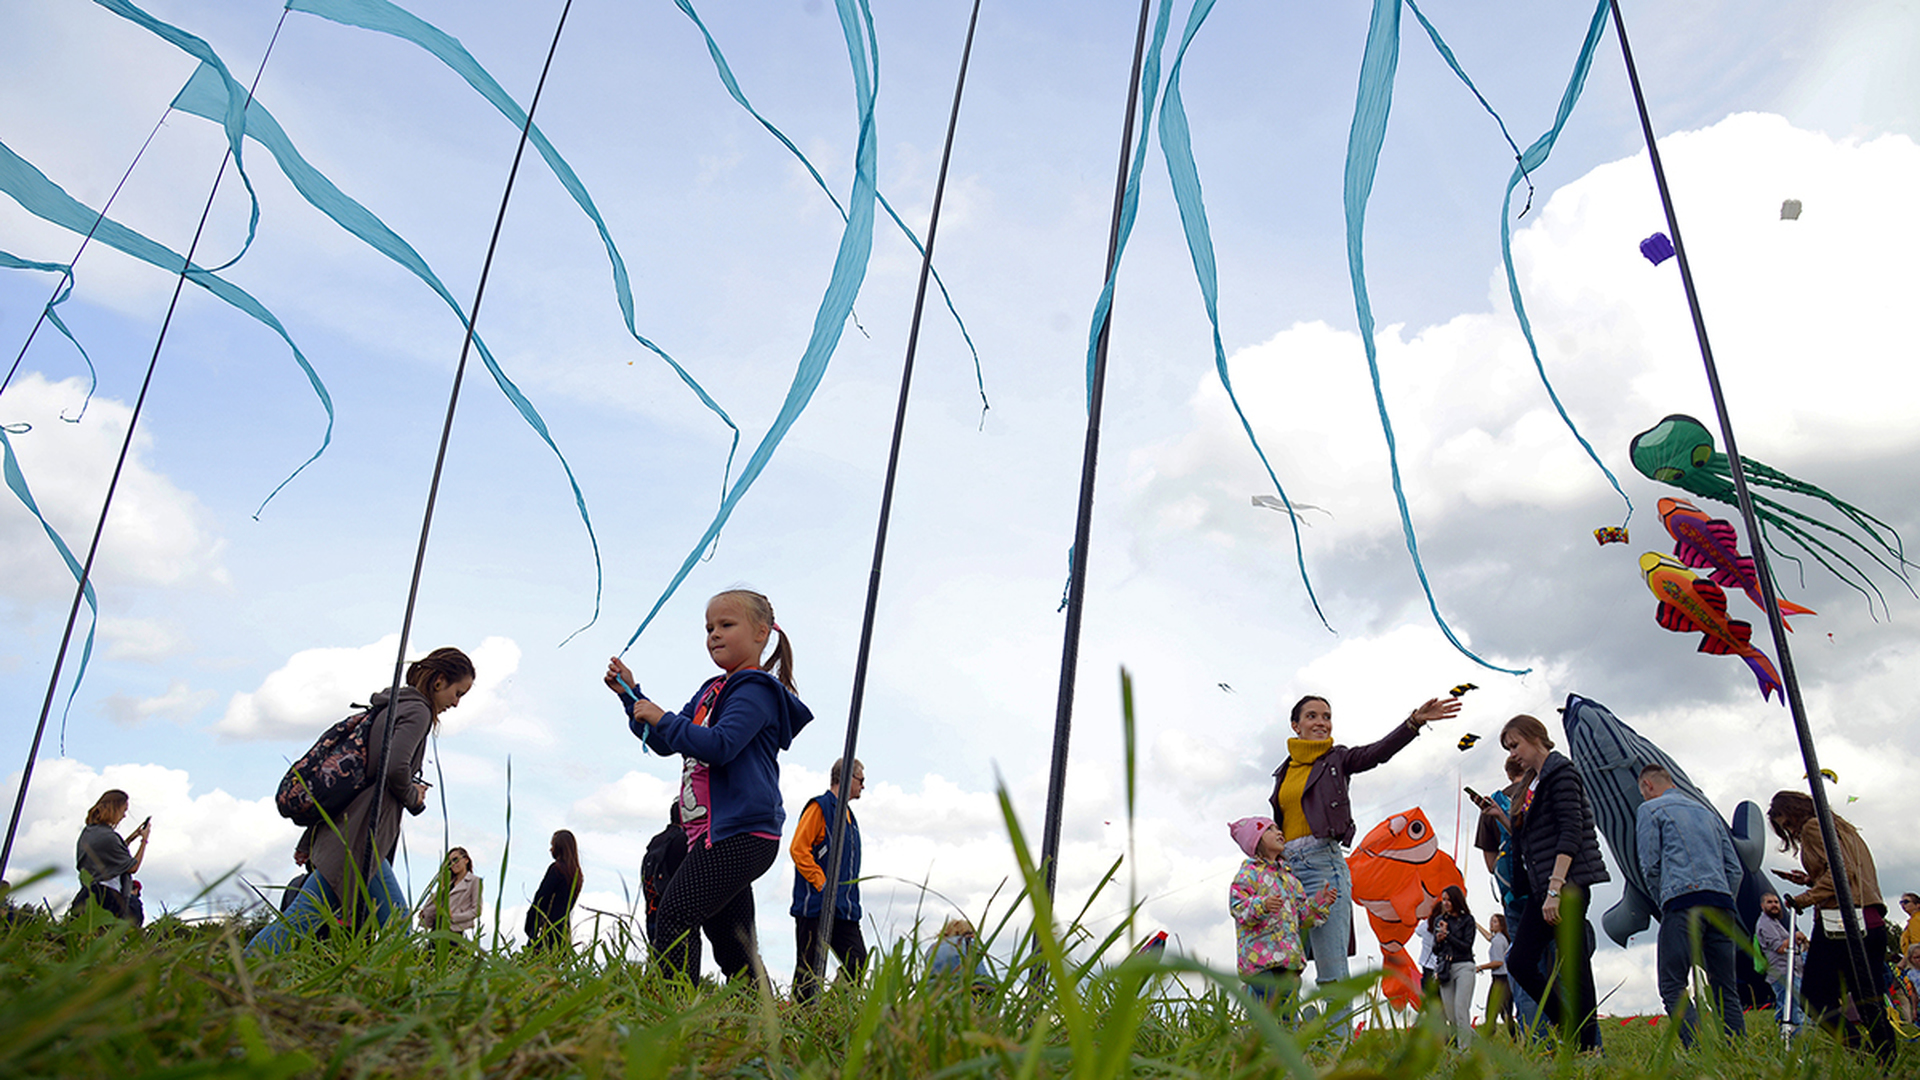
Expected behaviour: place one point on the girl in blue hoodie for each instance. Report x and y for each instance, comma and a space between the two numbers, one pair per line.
729, 737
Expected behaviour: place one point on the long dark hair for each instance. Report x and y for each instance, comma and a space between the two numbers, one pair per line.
1788, 815
566, 856
1457, 899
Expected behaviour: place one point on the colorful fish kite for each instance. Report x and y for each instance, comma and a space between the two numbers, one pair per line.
1706, 543
1399, 873
1679, 451
1466, 741
1610, 534
1689, 604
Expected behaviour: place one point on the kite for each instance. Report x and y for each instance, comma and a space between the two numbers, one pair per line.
1466, 741
1790, 210
1610, 534
1657, 248
1609, 755
1709, 543
1689, 604
1461, 689
1679, 451
1399, 873
1830, 776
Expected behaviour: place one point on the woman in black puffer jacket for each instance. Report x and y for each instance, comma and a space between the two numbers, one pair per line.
1560, 854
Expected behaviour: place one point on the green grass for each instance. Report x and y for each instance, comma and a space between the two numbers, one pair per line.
80, 999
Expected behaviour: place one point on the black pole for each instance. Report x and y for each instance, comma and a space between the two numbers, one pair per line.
119, 465
440, 461
1863, 979
1083, 524
829, 896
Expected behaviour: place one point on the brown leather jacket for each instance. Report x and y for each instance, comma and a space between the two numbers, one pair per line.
1863, 881
1329, 811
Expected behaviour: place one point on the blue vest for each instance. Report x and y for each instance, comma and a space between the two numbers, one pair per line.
806, 898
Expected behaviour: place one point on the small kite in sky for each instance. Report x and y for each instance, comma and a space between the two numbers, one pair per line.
1657, 248
1689, 604
1270, 503
1830, 776
1707, 543
1462, 688
1224, 687
1467, 740
1790, 210
1679, 451
1610, 534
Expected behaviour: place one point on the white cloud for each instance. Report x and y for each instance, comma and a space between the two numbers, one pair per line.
180, 702
145, 640
316, 687
157, 534
197, 837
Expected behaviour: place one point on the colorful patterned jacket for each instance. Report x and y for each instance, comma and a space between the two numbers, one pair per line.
1270, 939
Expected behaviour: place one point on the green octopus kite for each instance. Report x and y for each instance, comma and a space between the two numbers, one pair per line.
1679, 451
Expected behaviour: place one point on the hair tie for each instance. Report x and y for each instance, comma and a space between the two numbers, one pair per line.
777, 630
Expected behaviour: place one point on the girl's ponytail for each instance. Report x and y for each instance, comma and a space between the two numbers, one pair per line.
780, 664
441, 665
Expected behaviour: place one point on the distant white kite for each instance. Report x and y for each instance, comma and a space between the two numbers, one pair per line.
1272, 503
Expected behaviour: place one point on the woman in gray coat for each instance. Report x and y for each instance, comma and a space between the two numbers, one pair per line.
106, 866
341, 867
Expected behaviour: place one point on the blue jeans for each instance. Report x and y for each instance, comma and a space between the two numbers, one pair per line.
1318, 862
1674, 962
1526, 1010
316, 905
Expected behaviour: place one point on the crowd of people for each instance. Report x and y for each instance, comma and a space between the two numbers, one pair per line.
1291, 902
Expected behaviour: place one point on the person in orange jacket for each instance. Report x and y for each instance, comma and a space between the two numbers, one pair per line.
809, 849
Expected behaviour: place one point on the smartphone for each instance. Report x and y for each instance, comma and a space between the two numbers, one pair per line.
1478, 799
144, 824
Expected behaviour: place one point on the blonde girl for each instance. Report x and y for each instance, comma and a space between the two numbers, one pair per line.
729, 736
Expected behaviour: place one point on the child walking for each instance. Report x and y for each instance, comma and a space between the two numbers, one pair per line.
729, 736
1270, 909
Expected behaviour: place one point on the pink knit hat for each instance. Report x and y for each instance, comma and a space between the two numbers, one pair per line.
1246, 832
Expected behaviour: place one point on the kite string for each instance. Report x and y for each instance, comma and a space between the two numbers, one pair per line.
837, 844
64, 287
84, 585
446, 428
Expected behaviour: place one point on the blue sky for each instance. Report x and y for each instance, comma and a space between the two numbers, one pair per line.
227, 642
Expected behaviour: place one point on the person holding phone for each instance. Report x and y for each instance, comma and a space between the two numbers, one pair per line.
105, 864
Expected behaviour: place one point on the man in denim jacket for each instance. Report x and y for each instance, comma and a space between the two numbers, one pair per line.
1687, 856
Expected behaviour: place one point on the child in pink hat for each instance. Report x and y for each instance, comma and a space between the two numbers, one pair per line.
1270, 908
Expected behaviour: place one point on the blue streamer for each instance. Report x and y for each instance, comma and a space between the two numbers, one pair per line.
202, 96
1176, 145
732, 84
387, 18
849, 270
1130, 197
233, 120
1536, 155
65, 270
1368, 134
45, 199
18, 483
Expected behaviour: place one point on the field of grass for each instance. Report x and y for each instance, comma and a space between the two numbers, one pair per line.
178, 1001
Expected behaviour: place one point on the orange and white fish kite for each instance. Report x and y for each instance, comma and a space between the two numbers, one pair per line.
1690, 604
1399, 873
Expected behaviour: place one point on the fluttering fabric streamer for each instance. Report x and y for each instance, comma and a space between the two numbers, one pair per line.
1375, 98
1533, 158
727, 79
849, 270
202, 97
45, 199
65, 270
233, 120
386, 18
1176, 146
17, 483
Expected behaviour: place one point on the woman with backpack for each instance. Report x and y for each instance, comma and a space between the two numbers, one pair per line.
342, 871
